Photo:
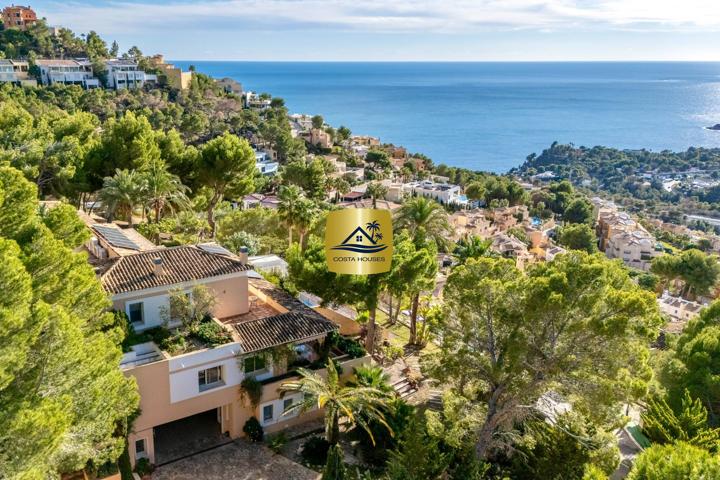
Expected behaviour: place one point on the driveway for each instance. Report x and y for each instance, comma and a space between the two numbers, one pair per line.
240, 460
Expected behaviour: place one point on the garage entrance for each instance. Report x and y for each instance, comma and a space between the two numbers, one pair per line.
187, 436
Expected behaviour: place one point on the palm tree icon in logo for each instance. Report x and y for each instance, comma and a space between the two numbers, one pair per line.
373, 228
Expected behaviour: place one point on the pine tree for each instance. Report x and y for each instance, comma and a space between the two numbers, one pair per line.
690, 424
63, 398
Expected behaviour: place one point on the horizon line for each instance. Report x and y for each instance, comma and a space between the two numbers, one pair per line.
438, 61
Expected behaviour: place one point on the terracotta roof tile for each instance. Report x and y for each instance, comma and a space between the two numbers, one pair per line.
180, 264
280, 329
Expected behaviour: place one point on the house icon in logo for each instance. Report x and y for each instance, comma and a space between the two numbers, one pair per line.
360, 241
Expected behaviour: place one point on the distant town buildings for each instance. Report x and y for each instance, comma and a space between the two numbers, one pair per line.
19, 17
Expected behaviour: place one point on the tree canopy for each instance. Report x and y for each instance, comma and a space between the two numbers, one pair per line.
577, 325
58, 345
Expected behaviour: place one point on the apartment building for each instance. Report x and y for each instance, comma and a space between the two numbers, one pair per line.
636, 248
19, 17
69, 72
622, 237
610, 221
124, 74
193, 399
16, 72
170, 74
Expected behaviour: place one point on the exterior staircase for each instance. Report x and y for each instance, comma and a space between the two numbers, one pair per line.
434, 401
403, 388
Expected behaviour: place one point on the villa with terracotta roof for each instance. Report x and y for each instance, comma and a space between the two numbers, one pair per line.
191, 396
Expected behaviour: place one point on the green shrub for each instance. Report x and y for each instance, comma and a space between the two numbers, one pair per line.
124, 465
212, 334
277, 442
253, 389
315, 450
107, 469
353, 348
253, 430
347, 345
335, 466
143, 467
174, 344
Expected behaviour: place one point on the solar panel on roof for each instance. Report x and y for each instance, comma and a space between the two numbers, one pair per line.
215, 248
116, 237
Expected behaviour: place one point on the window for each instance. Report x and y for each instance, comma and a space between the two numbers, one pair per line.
210, 378
140, 447
287, 403
267, 413
254, 364
135, 312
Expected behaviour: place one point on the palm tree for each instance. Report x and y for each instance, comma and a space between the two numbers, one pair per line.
342, 187
357, 404
424, 219
375, 190
471, 247
163, 190
305, 216
122, 192
372, 376
289, 197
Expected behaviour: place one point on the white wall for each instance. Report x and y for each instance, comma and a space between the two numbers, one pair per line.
184, 371
278, 410
151, 310
231, 295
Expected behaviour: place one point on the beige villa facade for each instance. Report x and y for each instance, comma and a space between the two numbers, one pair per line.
200, 390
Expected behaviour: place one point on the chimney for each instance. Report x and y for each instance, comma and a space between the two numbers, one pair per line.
243, 255
158, 266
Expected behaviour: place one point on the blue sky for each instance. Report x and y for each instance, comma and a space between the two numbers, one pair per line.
413, 30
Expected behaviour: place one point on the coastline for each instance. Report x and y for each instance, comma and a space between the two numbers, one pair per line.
490, 115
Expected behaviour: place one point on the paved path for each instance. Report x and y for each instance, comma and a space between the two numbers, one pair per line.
240, 460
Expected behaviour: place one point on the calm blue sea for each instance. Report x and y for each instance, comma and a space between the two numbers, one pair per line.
490, 116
